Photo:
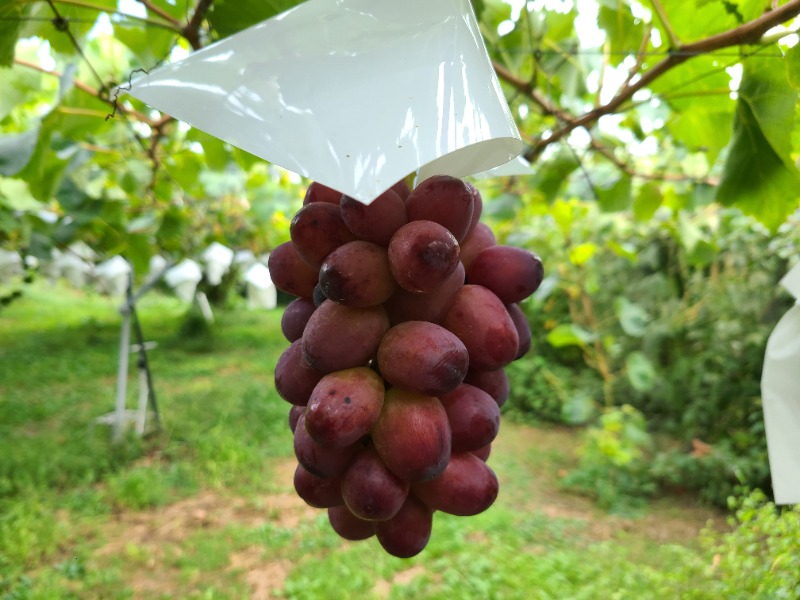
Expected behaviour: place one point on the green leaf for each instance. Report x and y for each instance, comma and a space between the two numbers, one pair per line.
792, 60
12, 20
765, 88
617, 196
231, 16
569, 334
623, 33
16, 150
581, 253
578, 409
640, 371
647, 201
15, 195
632, 317
150, 45
504, 206
217, 156
550, 176
755, 178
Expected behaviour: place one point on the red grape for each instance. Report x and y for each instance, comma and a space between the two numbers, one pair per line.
466, 487
445, 200
422, 357
340, 337
511, 273
473, 415
294, 416
295, 317
477, 209
357, 274
290, 273
407, 533
483, 453
495, 383
481, 237
481, 321
317, 491
433, 307
370, 490
294, 379
317, 192
344, 406
412, 435
349, 526
318, 460
422, 255
401, 189
375, 222
316, 230
523, 329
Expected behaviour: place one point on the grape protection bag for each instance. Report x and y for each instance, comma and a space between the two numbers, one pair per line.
780, 392
353, 94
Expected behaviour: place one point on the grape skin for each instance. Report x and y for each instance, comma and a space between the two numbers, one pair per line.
370, 490
407, 533
412, 435
339, 337
422, 254
422, 357
295, 317
445, 200
294, 379
290, 273
467, 487
481, 321
375, 222
511, 273
357, 274
344, 406
474, 417
316, 230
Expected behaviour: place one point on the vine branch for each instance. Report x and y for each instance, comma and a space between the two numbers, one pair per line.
157, 10
92, 91
192, 29
748, 33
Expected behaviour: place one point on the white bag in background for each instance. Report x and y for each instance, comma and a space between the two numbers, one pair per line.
780, 393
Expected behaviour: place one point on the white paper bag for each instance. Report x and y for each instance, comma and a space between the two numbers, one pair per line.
780, 393
354, 94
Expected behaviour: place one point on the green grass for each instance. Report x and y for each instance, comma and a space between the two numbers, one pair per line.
205, 509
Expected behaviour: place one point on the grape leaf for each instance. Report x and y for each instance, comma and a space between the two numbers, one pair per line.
12, 20
632, 317
623, 33
647, 201
569, 334
766, 90
755, 178
15, 195
617, 196
792, 60
231, 16
640, 371
16, 150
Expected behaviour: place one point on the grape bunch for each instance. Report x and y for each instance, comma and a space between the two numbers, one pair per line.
407, 311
